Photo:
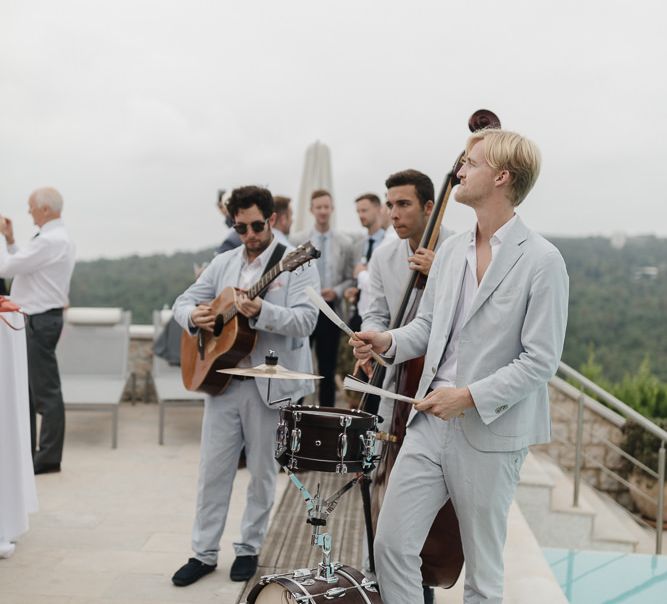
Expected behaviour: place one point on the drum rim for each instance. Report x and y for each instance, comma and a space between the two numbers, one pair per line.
329, 411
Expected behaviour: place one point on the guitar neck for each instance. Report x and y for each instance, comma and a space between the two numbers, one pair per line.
257, 289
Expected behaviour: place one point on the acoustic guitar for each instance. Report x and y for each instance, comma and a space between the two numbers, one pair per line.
232, 338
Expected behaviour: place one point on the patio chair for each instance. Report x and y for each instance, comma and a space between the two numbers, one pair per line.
92, 357
167, 379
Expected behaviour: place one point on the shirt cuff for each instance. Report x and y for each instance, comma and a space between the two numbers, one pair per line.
391, 351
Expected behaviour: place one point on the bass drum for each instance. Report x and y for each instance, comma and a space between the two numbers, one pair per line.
301, 587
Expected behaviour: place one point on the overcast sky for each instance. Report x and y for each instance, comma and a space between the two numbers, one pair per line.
139, 111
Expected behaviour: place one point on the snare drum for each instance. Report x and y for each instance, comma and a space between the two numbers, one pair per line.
326, 439
301, 586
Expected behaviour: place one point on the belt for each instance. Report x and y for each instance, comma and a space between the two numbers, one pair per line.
242, 378
52, 311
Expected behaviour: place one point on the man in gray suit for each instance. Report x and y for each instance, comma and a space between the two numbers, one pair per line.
492, 324
410, 196
241, 415
335, 267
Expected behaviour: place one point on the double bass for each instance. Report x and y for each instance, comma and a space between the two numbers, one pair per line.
442, 553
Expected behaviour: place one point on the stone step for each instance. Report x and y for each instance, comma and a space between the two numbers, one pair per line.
528, 576
609, 529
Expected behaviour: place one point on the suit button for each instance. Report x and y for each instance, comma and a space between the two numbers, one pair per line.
433, 370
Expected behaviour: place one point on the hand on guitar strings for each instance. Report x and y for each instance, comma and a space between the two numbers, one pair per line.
247, 307
446, 403
203, 317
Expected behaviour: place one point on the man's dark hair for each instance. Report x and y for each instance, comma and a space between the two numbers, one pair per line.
281, 203
320, 193
372, 197
246, 197
422, 183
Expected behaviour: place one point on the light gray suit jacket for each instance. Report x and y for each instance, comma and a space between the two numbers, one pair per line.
511, 340
389, 277
284, 323
340, 259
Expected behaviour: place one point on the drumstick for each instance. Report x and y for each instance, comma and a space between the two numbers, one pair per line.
352, 383
318, 301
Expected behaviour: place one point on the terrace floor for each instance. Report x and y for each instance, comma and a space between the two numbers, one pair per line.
114, 525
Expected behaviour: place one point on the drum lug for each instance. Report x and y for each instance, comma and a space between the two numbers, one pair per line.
334, 592
295, 443
341, 468
345, 421
292, 464
369, 585
342, 446
281, 434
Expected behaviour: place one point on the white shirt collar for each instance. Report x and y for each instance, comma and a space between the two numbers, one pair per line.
51, 224
498, 236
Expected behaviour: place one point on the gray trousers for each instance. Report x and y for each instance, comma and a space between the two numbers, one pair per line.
235, 419
42, 335
436, 462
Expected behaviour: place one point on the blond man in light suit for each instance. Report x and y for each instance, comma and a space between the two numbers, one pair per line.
492, 325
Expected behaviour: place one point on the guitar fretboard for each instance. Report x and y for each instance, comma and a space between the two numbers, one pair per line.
256, 290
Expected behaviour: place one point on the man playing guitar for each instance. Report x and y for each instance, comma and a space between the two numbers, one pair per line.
240, 416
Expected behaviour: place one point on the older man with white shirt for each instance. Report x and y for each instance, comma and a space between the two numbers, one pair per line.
492, 324
41, 272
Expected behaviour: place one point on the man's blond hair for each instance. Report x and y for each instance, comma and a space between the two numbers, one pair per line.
510, 151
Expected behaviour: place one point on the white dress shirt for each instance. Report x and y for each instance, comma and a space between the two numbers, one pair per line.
364, 278
446, 375
252, 271
41, 269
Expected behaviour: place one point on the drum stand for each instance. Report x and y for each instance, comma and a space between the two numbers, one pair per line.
319, 510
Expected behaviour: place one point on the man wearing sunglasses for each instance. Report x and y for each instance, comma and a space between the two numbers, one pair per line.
241, 415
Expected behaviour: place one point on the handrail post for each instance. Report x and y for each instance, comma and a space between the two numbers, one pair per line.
659, 521
578, 448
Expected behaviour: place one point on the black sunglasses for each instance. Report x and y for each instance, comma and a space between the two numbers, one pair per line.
257, 226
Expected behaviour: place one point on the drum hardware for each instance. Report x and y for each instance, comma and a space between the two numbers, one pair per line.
295, 442
299, 587
319, 510
287, 399
329, 440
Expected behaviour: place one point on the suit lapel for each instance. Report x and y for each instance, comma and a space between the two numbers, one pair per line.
452, 293
509, 253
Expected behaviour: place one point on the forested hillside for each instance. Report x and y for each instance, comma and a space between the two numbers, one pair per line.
137, 283
615, 310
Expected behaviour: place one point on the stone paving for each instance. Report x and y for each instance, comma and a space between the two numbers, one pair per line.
114, 525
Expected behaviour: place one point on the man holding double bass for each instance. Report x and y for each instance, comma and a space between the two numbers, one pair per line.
492, 324
241, 415
410, 196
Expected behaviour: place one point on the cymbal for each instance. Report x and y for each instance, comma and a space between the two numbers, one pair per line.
275, 372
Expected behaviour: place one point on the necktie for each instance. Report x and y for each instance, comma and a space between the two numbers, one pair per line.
369, 251
322, 260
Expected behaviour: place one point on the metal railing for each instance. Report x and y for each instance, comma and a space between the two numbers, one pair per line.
584, 384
